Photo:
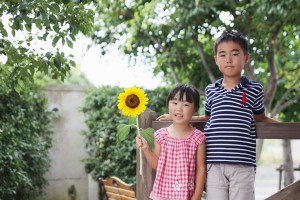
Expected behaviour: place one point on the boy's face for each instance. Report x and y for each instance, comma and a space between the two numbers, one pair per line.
181, 111
231, 59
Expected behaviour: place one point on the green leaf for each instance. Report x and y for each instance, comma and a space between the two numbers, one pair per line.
57, 62
148, 134
55, 40
70, 43
123, 131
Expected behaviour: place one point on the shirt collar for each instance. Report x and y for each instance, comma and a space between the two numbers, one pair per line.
243, 83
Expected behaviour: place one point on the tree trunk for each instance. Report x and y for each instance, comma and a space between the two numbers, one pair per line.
288, 163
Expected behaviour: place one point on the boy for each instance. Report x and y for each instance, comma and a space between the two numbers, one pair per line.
232, 105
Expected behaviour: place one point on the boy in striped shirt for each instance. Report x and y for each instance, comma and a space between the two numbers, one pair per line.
232, 105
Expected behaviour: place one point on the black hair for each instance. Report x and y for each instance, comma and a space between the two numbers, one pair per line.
232, 36
191, 93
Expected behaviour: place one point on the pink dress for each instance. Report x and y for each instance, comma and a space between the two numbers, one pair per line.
176, 170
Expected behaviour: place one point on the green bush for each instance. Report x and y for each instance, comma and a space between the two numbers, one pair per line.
24, 144
106, 157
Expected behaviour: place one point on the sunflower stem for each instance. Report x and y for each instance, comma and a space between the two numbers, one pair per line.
140, 149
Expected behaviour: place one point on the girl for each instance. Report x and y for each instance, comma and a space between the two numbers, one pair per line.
179, 150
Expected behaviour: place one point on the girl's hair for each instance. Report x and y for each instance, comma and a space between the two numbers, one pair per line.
232, 36
191, 93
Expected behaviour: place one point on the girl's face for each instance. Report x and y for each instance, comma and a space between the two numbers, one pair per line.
181, 111
231, 59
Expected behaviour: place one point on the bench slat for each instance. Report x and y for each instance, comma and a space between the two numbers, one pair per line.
112, 196
113, 189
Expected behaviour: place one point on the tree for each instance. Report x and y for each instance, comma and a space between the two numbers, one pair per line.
178, 36
25, 25
25, 135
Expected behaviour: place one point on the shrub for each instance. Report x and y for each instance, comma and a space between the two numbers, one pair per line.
24, 142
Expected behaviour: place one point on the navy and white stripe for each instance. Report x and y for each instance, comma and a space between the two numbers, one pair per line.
230, 131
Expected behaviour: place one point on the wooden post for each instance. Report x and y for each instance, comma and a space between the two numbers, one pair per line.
145, 182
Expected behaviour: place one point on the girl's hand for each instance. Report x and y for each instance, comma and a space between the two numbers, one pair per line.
141, 143
164, 117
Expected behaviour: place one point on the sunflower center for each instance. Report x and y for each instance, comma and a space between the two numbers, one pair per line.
132, 101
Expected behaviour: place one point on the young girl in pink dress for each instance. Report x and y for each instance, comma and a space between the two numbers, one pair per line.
179, 150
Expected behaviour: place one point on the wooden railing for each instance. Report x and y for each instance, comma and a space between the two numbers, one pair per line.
281, 130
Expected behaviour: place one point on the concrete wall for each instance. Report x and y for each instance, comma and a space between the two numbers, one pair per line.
67, 169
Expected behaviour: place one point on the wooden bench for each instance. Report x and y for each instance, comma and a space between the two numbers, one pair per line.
115, 189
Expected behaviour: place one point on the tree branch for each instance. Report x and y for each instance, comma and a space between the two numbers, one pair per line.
174, 75
280, 105
202, 56
272, 85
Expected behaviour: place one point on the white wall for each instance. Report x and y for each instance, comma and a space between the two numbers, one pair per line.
68, 150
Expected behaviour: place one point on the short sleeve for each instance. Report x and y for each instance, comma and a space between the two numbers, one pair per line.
259, 101
160, 135
199, 137
207, 105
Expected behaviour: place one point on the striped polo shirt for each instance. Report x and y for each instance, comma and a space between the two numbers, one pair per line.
230, 131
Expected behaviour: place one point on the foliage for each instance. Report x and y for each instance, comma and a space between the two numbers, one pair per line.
27, 28
177, 36
106, 158
75, 77
24, 140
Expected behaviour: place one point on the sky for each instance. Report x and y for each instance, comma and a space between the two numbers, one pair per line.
113, 68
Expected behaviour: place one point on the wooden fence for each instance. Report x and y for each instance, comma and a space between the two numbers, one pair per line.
145, 182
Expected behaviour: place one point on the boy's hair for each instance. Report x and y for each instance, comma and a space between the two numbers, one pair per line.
232, 36
191, 93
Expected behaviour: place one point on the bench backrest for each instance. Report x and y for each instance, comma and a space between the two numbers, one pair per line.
115, 189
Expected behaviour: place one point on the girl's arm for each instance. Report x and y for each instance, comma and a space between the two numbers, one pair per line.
200, 172
151, 156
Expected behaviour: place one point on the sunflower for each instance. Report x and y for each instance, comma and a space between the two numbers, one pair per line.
132, 101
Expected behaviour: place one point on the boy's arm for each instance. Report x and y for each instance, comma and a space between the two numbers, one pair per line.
263, 118
166, 117
151, 156
200, 118
200, 172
